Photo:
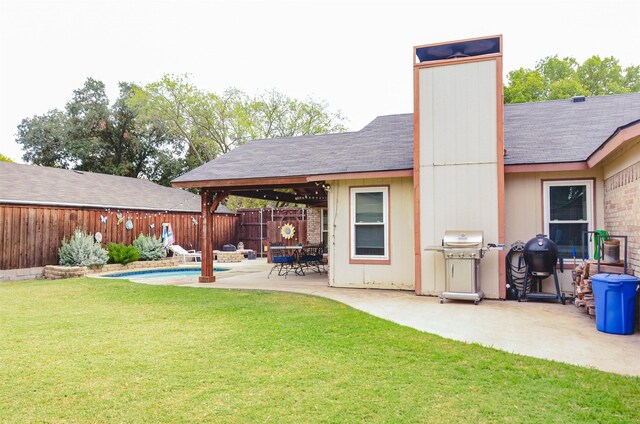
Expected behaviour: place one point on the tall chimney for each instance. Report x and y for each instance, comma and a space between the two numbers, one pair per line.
458, 154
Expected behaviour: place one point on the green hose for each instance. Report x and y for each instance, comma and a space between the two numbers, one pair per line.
596, 241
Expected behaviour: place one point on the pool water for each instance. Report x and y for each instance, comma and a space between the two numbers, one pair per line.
158, 273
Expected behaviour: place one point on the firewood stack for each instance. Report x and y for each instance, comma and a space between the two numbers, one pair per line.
582, 280
584, 291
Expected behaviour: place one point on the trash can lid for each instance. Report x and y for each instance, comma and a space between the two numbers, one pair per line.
616, 278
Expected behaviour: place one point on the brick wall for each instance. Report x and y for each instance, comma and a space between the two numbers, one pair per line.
622, 210
314, 225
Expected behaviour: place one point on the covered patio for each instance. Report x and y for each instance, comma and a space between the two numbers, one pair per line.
308, 191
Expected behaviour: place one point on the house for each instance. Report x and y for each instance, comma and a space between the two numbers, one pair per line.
39, 206
462, 161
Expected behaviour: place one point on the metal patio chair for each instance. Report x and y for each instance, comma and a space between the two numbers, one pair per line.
282, 260
311, 257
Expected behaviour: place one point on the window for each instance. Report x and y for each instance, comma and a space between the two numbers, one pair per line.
325, 230
369, 223
568, 211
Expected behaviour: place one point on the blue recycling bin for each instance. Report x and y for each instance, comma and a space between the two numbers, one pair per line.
615, 297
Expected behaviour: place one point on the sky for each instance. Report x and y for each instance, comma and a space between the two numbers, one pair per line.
357, 55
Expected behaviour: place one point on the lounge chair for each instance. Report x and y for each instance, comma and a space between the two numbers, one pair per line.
184, 254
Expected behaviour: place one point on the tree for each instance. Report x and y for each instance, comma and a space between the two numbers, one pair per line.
555, 78
44, 140
93, 135
209, 124
4, 158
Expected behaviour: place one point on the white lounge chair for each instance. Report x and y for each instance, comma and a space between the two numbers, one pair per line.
184, 254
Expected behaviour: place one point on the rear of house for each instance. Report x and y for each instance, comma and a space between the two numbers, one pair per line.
461, 161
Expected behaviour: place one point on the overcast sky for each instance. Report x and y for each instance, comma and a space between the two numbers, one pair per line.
356, 55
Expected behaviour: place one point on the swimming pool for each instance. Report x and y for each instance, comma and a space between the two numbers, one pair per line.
158, 273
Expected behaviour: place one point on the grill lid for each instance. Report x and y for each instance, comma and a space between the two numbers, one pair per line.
459, 239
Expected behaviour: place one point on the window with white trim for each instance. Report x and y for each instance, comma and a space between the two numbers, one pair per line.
568, 211
370, 223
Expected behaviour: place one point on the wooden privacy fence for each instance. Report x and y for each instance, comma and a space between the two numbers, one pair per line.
254, 232
30, 236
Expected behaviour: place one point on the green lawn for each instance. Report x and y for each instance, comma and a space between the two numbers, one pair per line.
88, 350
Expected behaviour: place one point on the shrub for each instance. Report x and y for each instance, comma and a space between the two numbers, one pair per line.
81, 250
121, 254
150, 248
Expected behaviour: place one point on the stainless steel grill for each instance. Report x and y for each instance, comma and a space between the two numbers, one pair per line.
462, 251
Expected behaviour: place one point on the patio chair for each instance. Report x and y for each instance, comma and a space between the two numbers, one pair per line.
282, 260
184, 254
312, 257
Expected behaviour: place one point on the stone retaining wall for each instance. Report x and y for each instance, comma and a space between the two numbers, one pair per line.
21, 274
56, 272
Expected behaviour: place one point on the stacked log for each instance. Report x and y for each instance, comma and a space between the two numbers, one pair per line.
582, 280
584, 289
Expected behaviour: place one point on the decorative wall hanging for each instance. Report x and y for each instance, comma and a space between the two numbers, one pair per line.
103, 219
152, 225
287, 231
128, 225
120, 219
194, 221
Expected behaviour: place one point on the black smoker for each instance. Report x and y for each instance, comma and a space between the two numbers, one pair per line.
540, 258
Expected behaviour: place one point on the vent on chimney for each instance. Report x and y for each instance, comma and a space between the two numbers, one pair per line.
578, 99
458, 49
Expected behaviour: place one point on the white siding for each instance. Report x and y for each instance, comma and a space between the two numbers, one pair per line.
400, 273
458, 164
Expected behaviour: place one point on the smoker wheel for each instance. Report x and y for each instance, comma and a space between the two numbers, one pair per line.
476, 302
441, 301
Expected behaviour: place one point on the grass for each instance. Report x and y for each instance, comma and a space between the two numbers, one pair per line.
87, 350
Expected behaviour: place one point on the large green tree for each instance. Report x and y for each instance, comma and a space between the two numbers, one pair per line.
92, 134
555, 78
210, 124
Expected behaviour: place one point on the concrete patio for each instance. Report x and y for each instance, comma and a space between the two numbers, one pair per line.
543, 330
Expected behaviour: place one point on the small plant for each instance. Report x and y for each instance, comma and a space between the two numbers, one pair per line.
121, 254
81, 250
150, 248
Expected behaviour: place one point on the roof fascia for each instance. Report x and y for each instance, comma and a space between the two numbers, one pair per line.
619, 137
546, 167
245, 182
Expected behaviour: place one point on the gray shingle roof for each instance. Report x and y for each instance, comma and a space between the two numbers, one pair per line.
383, 145
21, 183
541, 132
563, 131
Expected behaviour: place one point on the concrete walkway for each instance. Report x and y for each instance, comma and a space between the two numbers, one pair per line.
542, 330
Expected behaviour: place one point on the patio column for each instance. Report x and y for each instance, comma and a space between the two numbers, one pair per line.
208, 206
206, 238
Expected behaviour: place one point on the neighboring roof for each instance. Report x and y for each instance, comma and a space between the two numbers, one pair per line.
564, 131
28, 184
386, 144
542, 132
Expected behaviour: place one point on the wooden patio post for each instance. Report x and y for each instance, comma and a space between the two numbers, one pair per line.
208, 206
206, 238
